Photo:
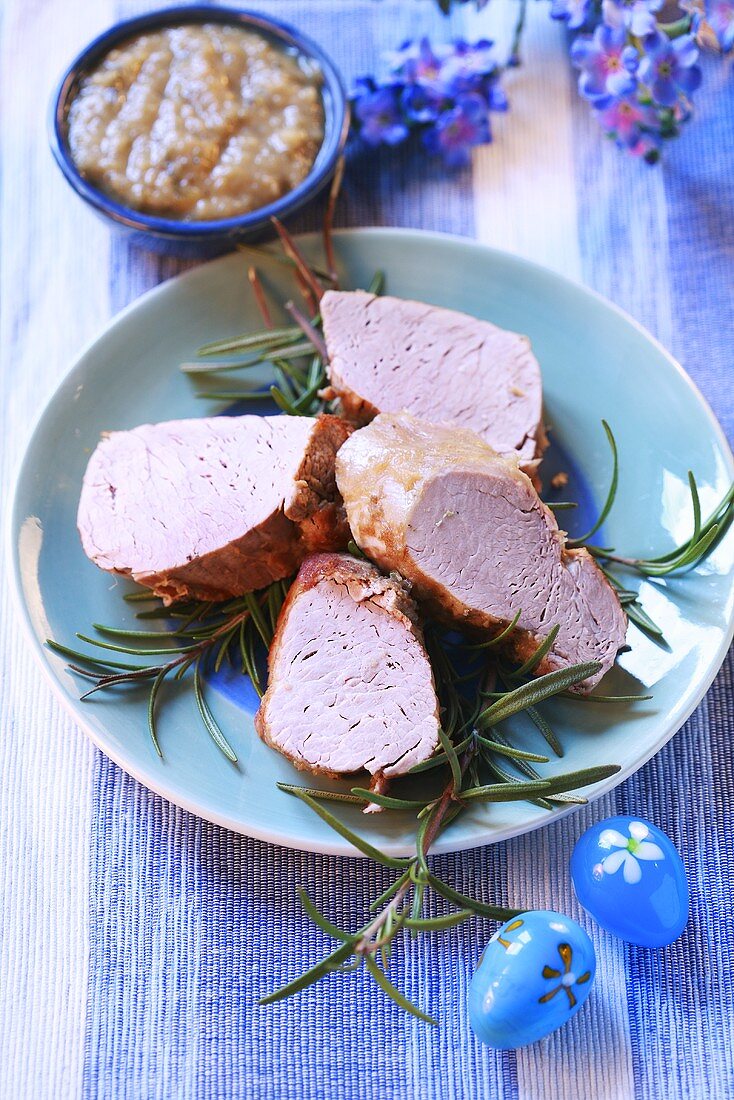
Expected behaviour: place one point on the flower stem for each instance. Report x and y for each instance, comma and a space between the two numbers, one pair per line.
677, 28
514, 58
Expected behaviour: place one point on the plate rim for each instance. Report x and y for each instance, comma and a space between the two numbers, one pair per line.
339, 847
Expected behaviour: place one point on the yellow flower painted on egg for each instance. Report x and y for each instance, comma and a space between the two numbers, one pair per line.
567, 976
511, 927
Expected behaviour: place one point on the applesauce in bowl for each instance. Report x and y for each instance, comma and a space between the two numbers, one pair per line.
198, 121
190, 128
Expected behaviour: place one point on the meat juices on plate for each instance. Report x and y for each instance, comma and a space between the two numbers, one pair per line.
350, 686
213, 508
389, 355
468, 530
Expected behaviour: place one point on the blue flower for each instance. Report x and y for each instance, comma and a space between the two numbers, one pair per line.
494, 93
573, 12
443, 68
473, 69
627, 121
459, 81
421, 104
475, 58
607, 64
396, 60
363, 85
636, 15
421, 64
720, 17
648, 148
446, 92
668, 68
379, 117
457, 130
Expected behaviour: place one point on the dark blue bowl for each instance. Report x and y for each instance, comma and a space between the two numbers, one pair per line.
201, 237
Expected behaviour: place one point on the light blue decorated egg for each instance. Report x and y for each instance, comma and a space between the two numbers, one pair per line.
628, 875
535, 974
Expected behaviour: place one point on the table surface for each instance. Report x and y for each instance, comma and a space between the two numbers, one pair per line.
134, 937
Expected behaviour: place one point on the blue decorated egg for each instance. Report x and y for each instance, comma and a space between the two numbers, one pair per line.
628, 875
535, 974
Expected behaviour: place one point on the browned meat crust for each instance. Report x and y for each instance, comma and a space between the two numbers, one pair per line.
212, 509
467, 529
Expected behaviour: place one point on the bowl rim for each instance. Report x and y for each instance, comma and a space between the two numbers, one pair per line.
335, 131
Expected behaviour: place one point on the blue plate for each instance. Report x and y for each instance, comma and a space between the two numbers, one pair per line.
596, 363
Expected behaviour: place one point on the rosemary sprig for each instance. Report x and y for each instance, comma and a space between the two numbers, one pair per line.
691, 553
276, 255
399, 908
534, 692
278, 351
611, 494
296, 386
261, 342
208, 718
197, 636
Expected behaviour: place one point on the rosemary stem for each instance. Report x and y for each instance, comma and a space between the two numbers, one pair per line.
369, 938
293, 252
259, 294
632, 563
307, 329
336, 184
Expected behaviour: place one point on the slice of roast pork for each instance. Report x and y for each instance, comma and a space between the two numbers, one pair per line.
467, 528
350, 685
389, 355
213, 508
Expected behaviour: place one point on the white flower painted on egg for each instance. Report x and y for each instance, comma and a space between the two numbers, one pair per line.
629, 850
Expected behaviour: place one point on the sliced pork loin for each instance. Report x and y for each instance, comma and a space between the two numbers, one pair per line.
350, 685
389, 355
467, 528
213, 508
